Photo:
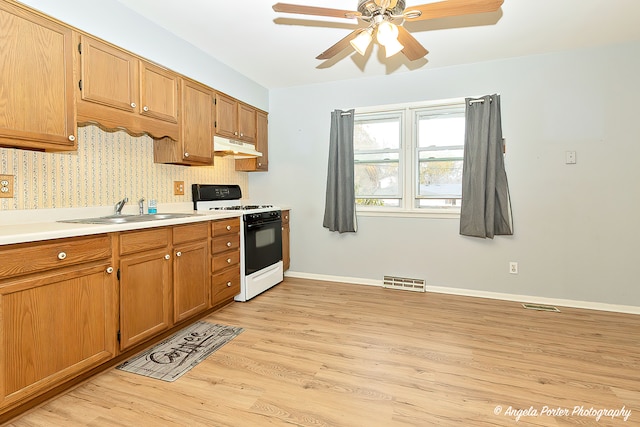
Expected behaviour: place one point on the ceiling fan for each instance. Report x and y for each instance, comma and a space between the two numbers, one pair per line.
380, 14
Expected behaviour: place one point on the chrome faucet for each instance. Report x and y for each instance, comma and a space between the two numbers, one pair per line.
141, 205
120, 205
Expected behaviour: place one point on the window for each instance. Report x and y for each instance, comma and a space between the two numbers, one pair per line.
408, 159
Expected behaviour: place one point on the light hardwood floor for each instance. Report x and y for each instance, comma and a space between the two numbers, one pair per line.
329, 354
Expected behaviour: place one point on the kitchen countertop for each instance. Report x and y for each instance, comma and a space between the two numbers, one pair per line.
18, 227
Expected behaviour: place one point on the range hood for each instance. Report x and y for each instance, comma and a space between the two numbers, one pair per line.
237, 149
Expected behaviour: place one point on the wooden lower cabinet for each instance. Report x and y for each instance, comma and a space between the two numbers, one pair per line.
65, 302
145, 284
53, 327
191, 281
286, 254
225, 260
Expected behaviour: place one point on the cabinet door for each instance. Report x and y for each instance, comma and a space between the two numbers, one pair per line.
191, 280
145, 282
197, 127
247, 123
262, 145
158, 92
226, 123
36, 82
109, 75
54, 327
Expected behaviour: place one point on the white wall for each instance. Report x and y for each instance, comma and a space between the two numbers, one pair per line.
111, 21
576, 228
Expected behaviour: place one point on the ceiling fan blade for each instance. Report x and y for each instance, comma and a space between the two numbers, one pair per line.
448, 8
412, 48
313, 10
340, 46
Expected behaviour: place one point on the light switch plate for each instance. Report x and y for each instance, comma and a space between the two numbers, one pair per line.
570, 157
6, 186
178, 188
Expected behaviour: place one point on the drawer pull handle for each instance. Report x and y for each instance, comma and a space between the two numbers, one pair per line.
228, 284
133, 105
62, 255
72, 138
178, 253
109, 270
145, 108
228, 228
167, 256
228, 260
228, 244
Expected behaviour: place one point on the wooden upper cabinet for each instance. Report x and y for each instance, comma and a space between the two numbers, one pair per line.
119, 90
258, 164
196, 129
247, 123
36, 82
158, 92
226, 123
195, 146
235, 119
109, 76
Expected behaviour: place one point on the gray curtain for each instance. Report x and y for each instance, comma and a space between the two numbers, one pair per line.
340, 208
486, 207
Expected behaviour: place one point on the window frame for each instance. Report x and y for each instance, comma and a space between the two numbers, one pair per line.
409, 158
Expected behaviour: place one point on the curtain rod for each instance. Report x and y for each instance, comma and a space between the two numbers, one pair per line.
474, 101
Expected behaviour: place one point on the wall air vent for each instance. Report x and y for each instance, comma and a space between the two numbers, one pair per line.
541, 307
392, 282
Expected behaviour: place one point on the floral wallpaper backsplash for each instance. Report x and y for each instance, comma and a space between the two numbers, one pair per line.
107, 167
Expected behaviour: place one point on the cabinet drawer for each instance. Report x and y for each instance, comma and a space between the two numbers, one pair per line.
227, 226
138, 241
225, 260
225, 243
225, 285
190, 232
27, 258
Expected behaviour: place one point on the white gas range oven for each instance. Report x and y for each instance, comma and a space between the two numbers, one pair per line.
260, 236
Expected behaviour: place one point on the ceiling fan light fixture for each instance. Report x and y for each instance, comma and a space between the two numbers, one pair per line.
387, 33
393, 47
362, 41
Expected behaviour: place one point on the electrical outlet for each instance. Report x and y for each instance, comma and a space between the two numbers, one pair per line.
178, 188
513, 267
6, 186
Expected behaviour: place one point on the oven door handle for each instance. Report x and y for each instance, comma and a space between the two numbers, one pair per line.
262, 224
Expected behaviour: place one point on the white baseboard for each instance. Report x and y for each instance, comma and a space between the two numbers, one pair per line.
479, 294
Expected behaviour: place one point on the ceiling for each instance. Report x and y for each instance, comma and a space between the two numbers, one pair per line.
278, 50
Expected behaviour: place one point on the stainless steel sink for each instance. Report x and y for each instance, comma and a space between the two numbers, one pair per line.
125, 219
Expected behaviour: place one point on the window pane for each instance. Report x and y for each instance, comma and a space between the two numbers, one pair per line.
455, 153
377, 134
439, 131
440, 179
394, 203
384, 157
377, 179
439, 203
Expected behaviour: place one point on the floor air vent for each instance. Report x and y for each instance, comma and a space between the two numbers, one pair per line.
541, 307
416, 285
